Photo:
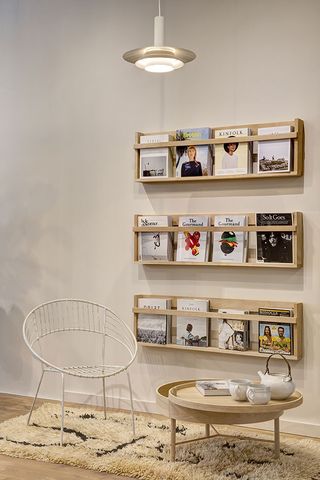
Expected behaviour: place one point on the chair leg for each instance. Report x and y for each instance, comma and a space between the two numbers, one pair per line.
104, 397
131, 403
35, 398
62, 409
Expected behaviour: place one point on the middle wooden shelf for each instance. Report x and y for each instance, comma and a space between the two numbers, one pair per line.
276, 242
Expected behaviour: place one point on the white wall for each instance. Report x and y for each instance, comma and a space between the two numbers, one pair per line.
69, 110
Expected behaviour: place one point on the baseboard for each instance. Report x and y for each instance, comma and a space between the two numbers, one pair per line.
286, 426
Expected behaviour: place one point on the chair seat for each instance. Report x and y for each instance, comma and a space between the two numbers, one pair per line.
91, 371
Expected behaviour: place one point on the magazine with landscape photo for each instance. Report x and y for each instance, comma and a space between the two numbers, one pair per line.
192, 331
274, 155
154, 328
274, 246
194, 160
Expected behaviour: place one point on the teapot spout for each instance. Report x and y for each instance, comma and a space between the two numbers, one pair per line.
260, 374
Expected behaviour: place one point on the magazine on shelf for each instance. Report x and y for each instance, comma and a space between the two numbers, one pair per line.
192, 245
192, 331
155, 162
232, 158
275, 312
233, 334
230, 246
213, 387
154, 328
274, 246
275, 338
194, 160
155, 245
274, 155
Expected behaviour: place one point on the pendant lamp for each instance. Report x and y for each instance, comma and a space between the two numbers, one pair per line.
159, 58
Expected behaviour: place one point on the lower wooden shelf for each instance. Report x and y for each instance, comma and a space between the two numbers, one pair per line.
251, 315
173, 263
247, 353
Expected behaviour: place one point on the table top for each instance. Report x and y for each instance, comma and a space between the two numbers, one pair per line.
186, 395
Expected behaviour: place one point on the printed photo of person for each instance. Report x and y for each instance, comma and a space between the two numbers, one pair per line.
191, 168
281, 343
230, 158
276, 247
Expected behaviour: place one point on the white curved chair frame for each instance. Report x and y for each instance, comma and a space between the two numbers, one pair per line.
74, 315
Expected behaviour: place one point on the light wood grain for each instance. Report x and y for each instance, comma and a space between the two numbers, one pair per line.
297, 137
296, 228
186, 395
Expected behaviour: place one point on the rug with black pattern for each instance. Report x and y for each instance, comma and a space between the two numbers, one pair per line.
94, 443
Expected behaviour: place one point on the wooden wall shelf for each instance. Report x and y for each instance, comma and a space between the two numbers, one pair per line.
297, 136
296, 228
252, 306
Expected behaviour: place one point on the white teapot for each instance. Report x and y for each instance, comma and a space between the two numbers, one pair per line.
281, 385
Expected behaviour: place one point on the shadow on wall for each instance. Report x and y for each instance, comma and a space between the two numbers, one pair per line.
15, 366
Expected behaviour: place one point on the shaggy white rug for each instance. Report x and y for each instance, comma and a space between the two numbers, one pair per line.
108, 446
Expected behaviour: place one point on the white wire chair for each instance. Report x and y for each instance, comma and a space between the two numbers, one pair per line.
50, 320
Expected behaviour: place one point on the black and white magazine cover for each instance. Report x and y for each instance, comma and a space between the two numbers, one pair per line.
274, 246
153, 328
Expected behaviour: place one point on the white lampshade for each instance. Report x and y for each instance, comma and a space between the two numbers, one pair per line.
158, 58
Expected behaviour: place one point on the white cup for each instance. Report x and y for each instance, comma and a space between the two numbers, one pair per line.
238, 389
258, 394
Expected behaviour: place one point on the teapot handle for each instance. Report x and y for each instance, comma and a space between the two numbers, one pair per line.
284, 358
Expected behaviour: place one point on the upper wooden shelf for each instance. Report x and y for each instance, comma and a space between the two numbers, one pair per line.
297, 137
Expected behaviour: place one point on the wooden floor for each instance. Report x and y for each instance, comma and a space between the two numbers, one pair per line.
20, 469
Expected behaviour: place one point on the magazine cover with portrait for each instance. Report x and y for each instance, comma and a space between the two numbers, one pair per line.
232, 158
233, 334
274, 246
194, 160
192, 331
275, 337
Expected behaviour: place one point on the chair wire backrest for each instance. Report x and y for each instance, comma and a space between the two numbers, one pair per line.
72, 315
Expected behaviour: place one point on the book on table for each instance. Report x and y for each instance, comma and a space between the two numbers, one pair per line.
233, 334
192, 245
276, 246
155, 245
152, 328
194, 160
230, 246
155, 162
213, 387
232, 158
274, 155
192, 331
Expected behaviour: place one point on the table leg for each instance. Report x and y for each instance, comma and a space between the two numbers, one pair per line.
173, 440
276, 438
207, 430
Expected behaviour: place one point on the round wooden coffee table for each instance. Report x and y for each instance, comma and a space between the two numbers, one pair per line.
182, 401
